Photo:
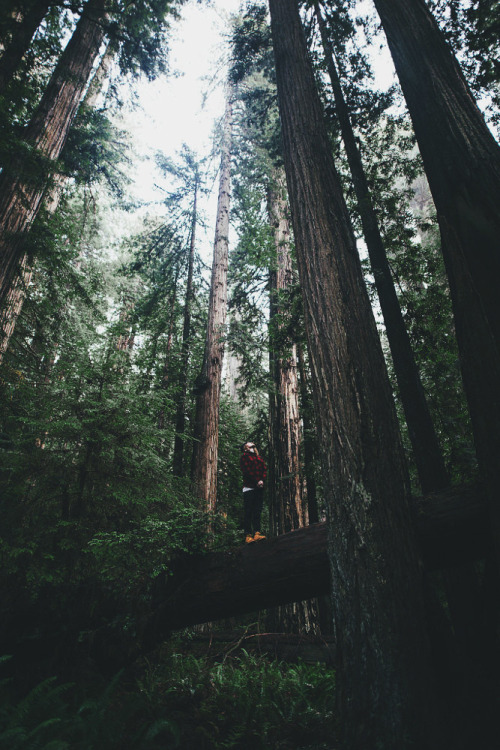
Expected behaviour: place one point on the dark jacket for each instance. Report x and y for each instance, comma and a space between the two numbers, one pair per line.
253, 468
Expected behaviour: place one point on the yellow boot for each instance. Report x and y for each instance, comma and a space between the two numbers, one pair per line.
249, 538
258, 536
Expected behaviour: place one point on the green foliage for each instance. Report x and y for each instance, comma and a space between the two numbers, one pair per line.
184, 702
131, 559
472, 28
426, 306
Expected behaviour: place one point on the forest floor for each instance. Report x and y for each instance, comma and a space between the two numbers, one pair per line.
207, 690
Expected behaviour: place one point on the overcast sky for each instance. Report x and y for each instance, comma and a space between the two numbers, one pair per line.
184, 107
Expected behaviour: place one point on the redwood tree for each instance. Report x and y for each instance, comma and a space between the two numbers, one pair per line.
426, 449
286, 509
385, 680
208, 387
462, 163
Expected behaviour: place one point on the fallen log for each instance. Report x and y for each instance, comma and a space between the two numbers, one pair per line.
452, 529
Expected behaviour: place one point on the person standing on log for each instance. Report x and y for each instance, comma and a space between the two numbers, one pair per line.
254, 472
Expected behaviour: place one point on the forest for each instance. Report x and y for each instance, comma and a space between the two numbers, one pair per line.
321, 283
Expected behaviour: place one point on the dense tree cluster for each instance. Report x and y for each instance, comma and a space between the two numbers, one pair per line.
352, 331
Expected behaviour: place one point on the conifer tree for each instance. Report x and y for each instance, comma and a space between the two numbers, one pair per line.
372, 548
427, 451
21, 32
208, 386
462, 164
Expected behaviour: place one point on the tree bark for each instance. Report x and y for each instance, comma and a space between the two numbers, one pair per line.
206, 435
286, 510
462, 163
20, 39
20, 193
452, 529
13, 305
427, 452
309, 442
385, 679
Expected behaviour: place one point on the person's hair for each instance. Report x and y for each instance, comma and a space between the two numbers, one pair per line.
243, 446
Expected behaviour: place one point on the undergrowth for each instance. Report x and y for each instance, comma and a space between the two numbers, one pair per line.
245, 702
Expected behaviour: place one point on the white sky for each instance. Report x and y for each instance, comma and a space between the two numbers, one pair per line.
184, 107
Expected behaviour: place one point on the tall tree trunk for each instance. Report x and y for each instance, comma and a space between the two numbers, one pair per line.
462, 163
287, 511
286, 508
180, 418
385, 690
431, 470
462, 588
20, 39
206, 433
20, 193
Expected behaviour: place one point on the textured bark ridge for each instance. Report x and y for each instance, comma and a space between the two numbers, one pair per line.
287, 511
451, 526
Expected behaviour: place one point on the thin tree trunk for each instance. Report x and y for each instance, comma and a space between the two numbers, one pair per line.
431, 470
462, 163
206, 434
20, 194
165, 378
386, 691
22, 34
180, 419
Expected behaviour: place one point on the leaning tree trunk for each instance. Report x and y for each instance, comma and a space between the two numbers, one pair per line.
206, 432
462, 163
20, 39
20, 192
180, 418
385, 692
427, 452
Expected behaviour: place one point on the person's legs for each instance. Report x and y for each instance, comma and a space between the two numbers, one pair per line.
247, 512
257, 501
